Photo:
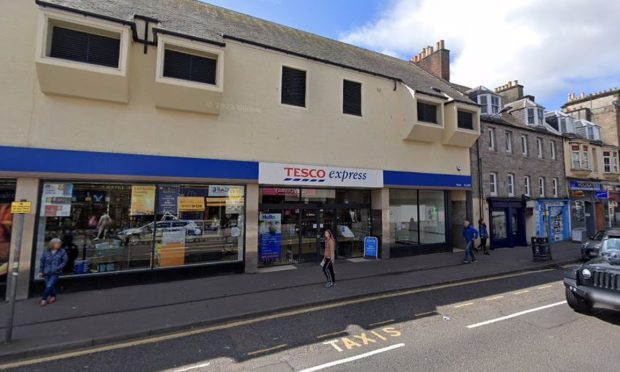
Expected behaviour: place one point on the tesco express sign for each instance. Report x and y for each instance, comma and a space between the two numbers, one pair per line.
316, 175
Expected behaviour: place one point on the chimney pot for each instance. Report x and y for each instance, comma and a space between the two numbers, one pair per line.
442, 44
516, 82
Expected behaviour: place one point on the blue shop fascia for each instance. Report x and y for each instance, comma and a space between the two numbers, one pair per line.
592, 206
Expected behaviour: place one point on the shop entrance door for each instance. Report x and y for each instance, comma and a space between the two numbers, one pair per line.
600, 216
312, 224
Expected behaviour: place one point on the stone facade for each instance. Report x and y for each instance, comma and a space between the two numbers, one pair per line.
602, 108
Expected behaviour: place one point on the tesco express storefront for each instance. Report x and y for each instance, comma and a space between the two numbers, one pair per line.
410, 212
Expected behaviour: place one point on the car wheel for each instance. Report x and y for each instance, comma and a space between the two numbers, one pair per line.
578, 303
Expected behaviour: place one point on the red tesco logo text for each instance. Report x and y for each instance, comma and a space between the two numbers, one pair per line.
305, 172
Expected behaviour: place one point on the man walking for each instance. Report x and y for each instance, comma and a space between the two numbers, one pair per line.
469, 234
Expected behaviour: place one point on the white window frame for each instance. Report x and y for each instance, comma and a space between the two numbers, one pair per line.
540, 115
524, 145
508, 135
510, 184
526, 185
493, 183
539, 147
495, 108
484, 108
541, 186
607, 161
554, 187
527, 113
491, 133
552, 147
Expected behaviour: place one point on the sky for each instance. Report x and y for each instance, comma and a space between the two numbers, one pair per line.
552, 47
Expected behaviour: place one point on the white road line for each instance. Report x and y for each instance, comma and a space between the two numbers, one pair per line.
545, 286
522, 292
463, 305
195, 366
494, 298
350, 359
515, 315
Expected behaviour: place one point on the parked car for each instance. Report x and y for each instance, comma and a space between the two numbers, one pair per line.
191, 228
596, 281
591, 247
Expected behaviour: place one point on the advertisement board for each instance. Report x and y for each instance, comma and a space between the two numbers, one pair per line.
56, 199
270, 236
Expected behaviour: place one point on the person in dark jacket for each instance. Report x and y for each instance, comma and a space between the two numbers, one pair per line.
469, 234
53, 261
484, 235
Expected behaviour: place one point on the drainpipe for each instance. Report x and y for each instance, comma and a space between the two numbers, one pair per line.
480, 188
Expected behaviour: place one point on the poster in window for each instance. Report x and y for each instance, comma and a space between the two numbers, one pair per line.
142, 200
56, 199
191, 203
270, 236
167, 199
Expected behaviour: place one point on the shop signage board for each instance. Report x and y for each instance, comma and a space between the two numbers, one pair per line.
142, 200
371, 247
56, 199
270, 236
191, 204
318, 175
21, 207
585, 185
225, 191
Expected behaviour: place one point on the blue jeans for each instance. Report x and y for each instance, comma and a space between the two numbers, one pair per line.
469, 251
50, 286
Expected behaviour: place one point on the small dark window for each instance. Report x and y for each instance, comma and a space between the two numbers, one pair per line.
189, 67
352, 98
293, 87
465, 120
427, 112
84, 47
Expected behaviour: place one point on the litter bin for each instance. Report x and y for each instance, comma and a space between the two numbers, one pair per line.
541, 249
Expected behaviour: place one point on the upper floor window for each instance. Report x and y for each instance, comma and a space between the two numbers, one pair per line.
187, 66
541, 187
554, 187
531, 117
491, 132
293, 90
541, 116
508, 141
493, 183
539, 146
427, 112
494, 104
552, 149
524, 147
511, 184
526, 185
93, 48
465, 120
610, 161
484, 102
563, 125
580, 158
352, 98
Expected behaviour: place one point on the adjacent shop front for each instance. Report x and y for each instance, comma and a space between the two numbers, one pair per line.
507, 222
589, 211
7, 195
553, 219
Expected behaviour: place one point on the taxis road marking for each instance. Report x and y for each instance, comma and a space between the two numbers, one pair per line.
353, 358
471, 326
261, 351
244, 322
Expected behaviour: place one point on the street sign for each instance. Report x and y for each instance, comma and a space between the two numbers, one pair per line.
371, 247
21, 207
602, 194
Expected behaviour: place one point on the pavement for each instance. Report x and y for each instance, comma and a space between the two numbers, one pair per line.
84, 319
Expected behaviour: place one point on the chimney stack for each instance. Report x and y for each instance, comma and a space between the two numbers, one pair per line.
435, 60
510, 92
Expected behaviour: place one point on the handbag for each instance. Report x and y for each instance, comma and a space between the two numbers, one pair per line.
323, 262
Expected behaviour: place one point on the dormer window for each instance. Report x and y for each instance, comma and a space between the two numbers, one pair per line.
189, 66
541, 115
489, 103
427, 112
530, 116
465, 120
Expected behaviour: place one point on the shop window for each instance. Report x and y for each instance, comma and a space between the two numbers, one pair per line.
465, 120
7, 195
432, 217
404, 219
427, 112
318, 196
108, 227
293, 90
279, 195
351, 98
85, 47
190, 67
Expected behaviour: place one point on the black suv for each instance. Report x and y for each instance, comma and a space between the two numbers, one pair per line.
596, 281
